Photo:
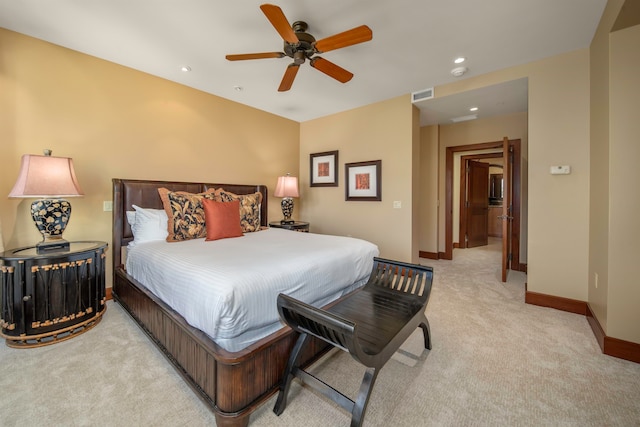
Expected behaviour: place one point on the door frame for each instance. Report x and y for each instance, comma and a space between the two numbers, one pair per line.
517, 199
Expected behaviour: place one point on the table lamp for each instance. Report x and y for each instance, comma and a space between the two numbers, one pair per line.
49, 179
287, 187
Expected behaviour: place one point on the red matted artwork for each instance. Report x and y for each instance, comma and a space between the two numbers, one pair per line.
324, 169
363, 181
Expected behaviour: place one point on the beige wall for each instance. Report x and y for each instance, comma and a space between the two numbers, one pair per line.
384, 130
615, 202
416, 147
558, 204
599, 164
428, 212
558, 134
119, 123
624, 175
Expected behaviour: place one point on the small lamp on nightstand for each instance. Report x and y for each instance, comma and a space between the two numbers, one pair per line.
287, 187
49, 179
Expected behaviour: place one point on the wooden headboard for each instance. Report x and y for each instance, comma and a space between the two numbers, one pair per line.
129, 192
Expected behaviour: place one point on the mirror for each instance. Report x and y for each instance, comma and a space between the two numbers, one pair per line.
495, 188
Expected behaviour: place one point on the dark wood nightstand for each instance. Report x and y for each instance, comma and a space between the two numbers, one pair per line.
295, 226
53, 296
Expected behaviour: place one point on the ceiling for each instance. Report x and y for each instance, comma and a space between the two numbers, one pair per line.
413, 47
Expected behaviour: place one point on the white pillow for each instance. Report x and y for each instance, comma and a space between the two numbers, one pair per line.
131, 218
147, 224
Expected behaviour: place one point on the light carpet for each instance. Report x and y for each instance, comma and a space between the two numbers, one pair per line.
495, 362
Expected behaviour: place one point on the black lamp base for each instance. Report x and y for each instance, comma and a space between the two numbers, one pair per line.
287, 210
51, 217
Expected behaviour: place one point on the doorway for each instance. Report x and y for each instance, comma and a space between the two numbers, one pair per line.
481, 199
515, 206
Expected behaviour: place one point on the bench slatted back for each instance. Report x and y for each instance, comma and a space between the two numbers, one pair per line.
410, 279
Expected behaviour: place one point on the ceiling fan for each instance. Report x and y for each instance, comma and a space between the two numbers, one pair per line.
300, 45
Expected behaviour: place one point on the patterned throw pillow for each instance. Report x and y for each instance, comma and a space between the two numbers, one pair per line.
249, 208
185, 214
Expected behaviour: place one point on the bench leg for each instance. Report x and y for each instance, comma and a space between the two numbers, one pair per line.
426, 332
360, 405
289, 374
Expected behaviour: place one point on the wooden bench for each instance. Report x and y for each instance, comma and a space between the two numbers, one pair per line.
371, 324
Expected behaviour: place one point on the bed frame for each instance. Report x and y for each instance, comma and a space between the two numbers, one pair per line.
233, 384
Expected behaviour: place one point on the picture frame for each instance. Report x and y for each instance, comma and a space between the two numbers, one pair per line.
323, 169
363, 181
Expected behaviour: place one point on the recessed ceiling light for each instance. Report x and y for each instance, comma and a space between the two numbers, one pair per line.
459, 60
473, 109
185, 68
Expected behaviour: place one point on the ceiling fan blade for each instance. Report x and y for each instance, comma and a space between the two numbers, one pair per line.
287, 79
265, 55
275, 15
331, 69
347, 38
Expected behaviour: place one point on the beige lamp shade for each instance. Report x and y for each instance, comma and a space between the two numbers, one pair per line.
46, 176
48, 179
287, 186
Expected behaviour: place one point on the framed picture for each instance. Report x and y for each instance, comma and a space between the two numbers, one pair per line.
324, 169
363, 181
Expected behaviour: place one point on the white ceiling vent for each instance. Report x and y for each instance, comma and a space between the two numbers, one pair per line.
464, 118
422, 95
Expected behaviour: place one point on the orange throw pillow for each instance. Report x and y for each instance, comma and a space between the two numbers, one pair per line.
222, 219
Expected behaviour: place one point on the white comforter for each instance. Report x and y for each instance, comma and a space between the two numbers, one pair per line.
227, 288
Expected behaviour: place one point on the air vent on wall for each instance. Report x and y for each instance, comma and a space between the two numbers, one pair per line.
422, 95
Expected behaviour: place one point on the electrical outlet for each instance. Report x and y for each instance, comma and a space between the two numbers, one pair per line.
397, 204
595, 279
107, 206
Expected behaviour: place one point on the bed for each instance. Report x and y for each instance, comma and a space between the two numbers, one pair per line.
233, 381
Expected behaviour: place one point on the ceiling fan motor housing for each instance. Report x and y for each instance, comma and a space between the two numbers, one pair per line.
304, 49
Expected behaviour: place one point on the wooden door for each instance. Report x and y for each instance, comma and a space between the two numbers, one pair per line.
477, 204
506, 207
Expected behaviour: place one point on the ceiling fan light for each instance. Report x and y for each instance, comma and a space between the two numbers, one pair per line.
299, 57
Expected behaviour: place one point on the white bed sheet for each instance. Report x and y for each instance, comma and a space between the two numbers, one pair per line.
228, 288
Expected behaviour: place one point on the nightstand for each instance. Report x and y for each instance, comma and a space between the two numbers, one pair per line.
53, 296
295, 226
